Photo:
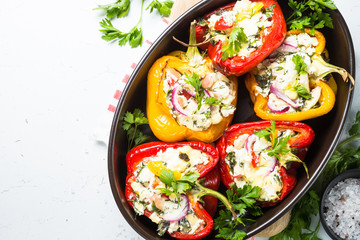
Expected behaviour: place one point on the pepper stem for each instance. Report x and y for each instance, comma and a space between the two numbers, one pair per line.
327, 68
193, 53
207, 191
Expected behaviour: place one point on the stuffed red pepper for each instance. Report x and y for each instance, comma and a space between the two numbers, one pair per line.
242, 34
147, 190
264, 154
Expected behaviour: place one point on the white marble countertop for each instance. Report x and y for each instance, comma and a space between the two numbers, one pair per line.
58, 78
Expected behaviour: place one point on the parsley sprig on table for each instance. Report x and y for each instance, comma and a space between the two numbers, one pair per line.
310, 14
130, 124
343, 158
301, 220
121, 8
134, 37
243, 201
117, 9
164, 8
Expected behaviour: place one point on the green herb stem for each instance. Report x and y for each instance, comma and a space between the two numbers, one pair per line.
347, 141
207, 191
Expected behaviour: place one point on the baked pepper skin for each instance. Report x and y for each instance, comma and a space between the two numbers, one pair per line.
327, 98
161, 121
301, 142
240, 65
209, 172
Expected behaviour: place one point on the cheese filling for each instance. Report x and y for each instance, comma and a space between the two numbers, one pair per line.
241, 156
250, 16
291, 70
149, 196
198, 109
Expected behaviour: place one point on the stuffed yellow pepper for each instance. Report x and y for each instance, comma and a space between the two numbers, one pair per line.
187, 99
290, 84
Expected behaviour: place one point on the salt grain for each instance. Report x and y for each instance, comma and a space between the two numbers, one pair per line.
342, 209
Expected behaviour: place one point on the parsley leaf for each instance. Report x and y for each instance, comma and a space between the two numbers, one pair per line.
300, 65
164, 8
194, 80
310, 14
213, 101
117, 9
280, 148
355, 128
302, 92
301, 219
233, 45
110, 33
269, 12
243, 200
179, 186
130, 124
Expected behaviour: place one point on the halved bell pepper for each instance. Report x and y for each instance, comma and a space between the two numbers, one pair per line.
271, 37
144, 153
241, 143
328, 88
160, 110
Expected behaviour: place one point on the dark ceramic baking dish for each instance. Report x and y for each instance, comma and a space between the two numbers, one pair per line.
353, 173
327, 128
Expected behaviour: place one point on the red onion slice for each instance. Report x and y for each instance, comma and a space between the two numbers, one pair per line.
249, 144
272, 165
284, 48
207, 93
282, 96
175, 103
176, 214
277, 108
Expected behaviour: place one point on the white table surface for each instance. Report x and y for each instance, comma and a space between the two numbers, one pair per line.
58, 78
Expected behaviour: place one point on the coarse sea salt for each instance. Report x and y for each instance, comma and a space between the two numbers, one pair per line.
342, 209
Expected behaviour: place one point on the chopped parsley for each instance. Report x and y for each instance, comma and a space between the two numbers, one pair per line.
234, 43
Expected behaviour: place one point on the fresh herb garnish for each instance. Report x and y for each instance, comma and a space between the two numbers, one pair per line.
213, 101
233, 45
164, 8
279, 146
268, 133
131, 123
310, 14
300, 65
177, 186
193, 80
117, 9
269, 12
302, 92
243, 200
